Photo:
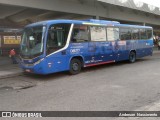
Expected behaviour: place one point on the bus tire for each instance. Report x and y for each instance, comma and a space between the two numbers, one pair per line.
75, 66
132, 57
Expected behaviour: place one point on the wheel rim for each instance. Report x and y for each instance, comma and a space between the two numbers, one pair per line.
132, 57
75, 66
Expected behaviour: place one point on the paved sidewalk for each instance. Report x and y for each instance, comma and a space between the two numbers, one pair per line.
7, 69
4, 60
155, 50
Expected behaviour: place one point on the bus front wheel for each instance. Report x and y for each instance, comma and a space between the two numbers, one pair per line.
75, 66
132, 57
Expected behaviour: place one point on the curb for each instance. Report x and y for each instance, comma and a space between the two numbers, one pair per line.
155, 52
11, 75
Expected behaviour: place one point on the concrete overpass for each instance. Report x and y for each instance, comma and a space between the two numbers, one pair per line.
17, 13
28, 11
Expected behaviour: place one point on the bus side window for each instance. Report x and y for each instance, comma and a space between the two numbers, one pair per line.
98, 33
112, 34
135, 34
143, 34
149, 33
125, 33
80, 34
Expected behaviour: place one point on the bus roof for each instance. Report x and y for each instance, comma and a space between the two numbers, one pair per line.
87, 22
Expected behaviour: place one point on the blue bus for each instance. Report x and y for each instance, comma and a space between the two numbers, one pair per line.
69, 45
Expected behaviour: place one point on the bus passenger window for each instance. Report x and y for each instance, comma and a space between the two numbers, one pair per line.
125, 33
80, 34
135, 34
112, 34
149, 34
143, 34
98, 33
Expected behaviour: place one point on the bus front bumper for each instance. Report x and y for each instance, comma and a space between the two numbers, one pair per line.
35, 69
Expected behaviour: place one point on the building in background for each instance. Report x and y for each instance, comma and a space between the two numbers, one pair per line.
9, 40
10, 36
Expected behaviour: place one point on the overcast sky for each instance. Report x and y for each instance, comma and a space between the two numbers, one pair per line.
152, 2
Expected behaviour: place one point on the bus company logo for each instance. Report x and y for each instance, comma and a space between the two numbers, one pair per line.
75, 50
6, 114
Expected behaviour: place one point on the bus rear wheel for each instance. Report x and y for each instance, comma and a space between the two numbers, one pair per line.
75, 66
132, 57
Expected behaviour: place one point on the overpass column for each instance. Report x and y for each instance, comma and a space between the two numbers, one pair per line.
97, 17
96, 10
144, 24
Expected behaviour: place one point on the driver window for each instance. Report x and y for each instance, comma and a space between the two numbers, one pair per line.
52, 40
57, 37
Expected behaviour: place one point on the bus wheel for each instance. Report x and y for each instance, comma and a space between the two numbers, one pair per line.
132, 57
75, 66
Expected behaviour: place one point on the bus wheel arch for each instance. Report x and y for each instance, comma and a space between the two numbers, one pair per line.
132, 56
76, 64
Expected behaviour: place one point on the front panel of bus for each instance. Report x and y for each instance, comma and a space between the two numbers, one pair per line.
32, 48
43, 48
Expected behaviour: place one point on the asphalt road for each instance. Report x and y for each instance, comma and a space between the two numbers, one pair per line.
114, 87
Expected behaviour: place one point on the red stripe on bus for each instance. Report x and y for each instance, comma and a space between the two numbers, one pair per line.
100, 63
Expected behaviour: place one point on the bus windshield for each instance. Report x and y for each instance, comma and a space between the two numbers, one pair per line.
32, 41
